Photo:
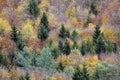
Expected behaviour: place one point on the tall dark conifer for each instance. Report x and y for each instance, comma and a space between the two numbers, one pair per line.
96, 34
33, 8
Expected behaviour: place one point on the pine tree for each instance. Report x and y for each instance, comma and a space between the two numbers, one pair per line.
34, 55
44, 21
17, 37
100, 46
115, 48
33, 8
83, 48
20, 42
89, 47
55, 52
60, 46
14, 33
67, 49
75, 46
93, 8
60, 67
74, 35
27, 76
81, 74
42, 33
96, 34
64, 33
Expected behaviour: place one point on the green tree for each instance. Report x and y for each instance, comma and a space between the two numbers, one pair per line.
27, 76
115, 47
75, 45
14, 33
44, 21
96, 34
33, 8
60, 45
20, 42
89, 47
74, 35
23, 58
89, 20
81, 74
55, 52
64, 33
93, 8
83, 48
100, 45
67, 49
45, 61
60, 67
3, 59
42, 33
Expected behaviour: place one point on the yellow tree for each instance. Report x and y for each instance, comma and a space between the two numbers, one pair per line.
28, 31
4, 26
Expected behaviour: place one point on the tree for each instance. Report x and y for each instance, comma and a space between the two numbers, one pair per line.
67, 49
33, 8
45, 61
93, 8
27, 76
64, 33
100, 45
60, 45
81, 74
44, 21
42, 33
89, 47
20, 42
55, 52
115, 48
75, 45
14, 33
83, 48
74, 35
17, 37
3, 59
96, 34
23, 58
28, 32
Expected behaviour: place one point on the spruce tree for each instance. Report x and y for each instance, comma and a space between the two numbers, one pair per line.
93, 8
75, 45
42, 33
100, 45
81, 74
44, 21
67, 49
60, 46
33, 8
14, 33
83, 48
27, 76
20, 42
74, 35
89, 47
115, 47
64, 33
96, 34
